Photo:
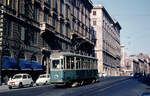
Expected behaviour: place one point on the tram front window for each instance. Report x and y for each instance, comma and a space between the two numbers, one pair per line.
56, 64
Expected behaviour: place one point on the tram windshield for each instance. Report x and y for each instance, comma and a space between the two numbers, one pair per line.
56, 64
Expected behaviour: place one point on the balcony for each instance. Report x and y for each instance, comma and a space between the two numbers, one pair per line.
45, 27
79, 37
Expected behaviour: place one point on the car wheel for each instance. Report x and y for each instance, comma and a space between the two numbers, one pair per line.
46, 83
20, 85
10, 87
31, 85
37, 84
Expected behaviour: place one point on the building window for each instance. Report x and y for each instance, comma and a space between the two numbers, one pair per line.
55, 5
67, 12
61, 7
21, 55
94, 23
8, 27
22, 7
94, 12
47, 2
54, 22
46, 17
61, 28
33, 37
36, 14
9, 3
33, 58
67, 31
22, 34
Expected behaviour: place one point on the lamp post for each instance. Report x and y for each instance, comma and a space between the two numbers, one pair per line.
1, 38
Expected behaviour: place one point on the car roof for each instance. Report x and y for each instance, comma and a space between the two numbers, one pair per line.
22, 74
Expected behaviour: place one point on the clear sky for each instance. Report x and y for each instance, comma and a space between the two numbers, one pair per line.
134, 18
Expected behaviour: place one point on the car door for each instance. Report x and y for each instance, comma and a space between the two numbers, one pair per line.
25, 80
29, 79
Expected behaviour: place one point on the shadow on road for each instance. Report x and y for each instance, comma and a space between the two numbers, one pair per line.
145, 94
144, 80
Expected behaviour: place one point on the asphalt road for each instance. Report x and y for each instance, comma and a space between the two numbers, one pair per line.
113, 86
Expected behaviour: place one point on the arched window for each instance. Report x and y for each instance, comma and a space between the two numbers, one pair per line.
6, 52
21, 55
33, 58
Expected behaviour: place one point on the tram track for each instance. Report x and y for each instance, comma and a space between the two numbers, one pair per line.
91, 89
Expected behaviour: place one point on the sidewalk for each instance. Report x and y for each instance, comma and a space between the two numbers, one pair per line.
3, 88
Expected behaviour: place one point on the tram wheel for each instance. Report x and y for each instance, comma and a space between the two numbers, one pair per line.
74, 84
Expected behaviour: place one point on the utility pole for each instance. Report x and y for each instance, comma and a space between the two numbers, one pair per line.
1, 38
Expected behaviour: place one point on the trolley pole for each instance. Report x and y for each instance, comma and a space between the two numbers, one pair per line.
1, 39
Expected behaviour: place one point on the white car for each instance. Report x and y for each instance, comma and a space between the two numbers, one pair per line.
104, 74
43, 79
20, 80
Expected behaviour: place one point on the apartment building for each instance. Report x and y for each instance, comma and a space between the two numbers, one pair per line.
30, 30
107, 47
136, 63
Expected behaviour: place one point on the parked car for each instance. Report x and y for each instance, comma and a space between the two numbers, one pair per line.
102, 74
138, 75
20, 80
43, 79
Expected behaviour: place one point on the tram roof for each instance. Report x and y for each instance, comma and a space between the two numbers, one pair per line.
56, 55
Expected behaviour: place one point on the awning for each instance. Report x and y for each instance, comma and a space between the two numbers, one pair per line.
36, 65
24, 64
8, 63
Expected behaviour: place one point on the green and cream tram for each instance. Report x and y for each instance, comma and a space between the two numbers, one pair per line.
72, 69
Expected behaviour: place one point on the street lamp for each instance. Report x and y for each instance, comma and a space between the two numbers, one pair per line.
1, 37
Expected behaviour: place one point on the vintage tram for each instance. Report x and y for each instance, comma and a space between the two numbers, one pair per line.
72, 69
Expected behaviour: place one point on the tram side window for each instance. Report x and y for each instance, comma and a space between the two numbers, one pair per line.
85, 63
68, 62
88, 64
62, 63
77, 63
82, 63
72, 62
92, 63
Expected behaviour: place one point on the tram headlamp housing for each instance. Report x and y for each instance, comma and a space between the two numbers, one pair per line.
56, 76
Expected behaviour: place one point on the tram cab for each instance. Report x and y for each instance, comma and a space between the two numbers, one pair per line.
56, 70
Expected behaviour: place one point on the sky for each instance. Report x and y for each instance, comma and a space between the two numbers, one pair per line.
134, 18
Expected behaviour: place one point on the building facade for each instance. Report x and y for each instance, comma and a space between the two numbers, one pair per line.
107, 47
32, 29
136, 64
128, 68
122, 64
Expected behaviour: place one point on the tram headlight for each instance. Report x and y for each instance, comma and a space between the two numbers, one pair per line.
56, 76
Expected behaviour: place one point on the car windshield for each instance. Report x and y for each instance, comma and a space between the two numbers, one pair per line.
17, 77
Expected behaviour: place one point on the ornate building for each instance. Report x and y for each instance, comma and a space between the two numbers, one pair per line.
107, 47
30, 30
